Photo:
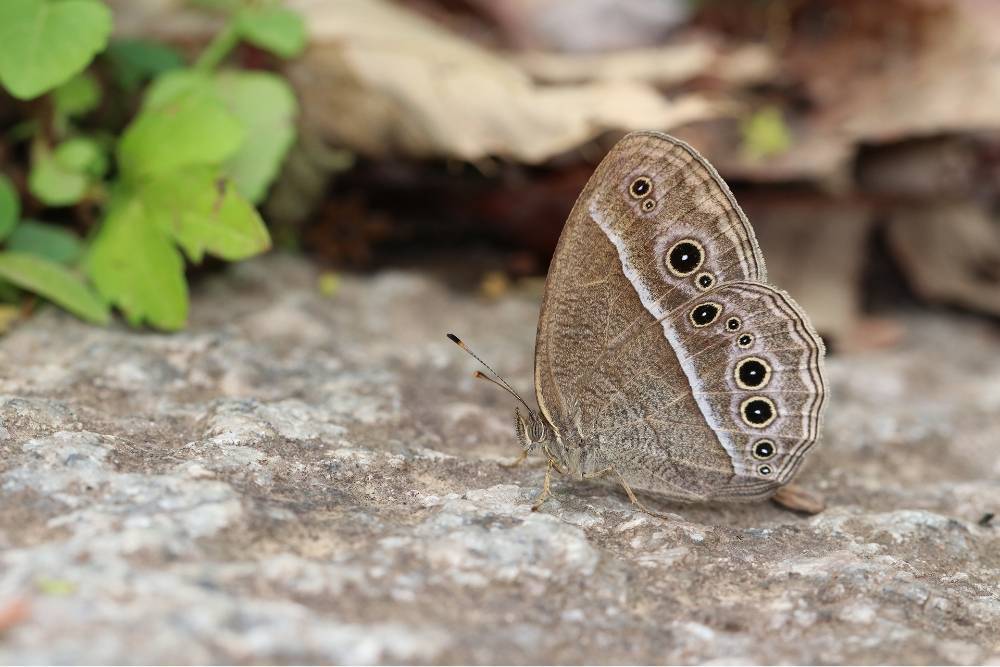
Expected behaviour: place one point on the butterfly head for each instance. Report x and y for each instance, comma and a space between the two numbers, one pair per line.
531, 429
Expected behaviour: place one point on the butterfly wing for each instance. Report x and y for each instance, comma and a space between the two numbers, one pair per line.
653, 235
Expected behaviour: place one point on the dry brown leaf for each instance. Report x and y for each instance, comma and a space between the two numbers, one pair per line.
950, 252
380, 79
664, 66
949, 82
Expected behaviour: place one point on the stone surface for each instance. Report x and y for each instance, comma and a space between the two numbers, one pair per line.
302, 478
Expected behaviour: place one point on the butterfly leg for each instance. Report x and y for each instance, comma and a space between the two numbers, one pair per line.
635, 501
518, 461
546, 487
598, 474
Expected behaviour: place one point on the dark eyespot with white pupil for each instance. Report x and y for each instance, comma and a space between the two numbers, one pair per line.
752, 373
733, 323
758, 411
648, 205
705, 313
764, 470
744, 341
640, 187
705, 280
763, 450
685, 257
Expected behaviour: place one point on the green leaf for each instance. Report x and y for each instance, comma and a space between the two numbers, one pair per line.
79, 95
136, 266
10, 207
190, 128
134, 61
55, 283
276, 29
82, 154
44, 43
765, 134
172, 85
62, 177
54, 184
266, 107
52, 242
205, 213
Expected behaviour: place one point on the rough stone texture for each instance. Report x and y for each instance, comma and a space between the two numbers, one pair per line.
303, 478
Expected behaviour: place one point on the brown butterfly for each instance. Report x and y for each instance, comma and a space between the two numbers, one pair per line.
663, 357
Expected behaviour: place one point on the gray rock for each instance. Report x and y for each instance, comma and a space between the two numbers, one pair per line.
300, 478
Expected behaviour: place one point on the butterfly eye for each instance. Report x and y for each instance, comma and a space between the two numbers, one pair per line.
640, 187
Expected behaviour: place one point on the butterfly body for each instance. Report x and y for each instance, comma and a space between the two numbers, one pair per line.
662, 355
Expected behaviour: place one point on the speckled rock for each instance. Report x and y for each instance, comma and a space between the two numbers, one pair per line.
309, 478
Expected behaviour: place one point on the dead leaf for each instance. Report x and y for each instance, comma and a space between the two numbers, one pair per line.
667, 65
379, 79
950, 252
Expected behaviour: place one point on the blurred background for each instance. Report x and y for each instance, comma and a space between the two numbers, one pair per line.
860, 137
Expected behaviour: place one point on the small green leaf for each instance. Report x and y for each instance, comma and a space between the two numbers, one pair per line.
765, 134
276, 29
55, 283
44, 43
78, 96
55, 587
134, 61
266, 107
191, 128
136, 266
62, 177
10, 207
54, 184
205, 213
52, 242
173, 85
82, 154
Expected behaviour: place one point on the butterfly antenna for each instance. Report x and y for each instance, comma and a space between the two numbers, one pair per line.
497, 379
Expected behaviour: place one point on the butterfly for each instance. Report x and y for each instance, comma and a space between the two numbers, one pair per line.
663, 358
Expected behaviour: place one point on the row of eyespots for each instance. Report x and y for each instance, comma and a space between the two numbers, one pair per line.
750, 373
642, 188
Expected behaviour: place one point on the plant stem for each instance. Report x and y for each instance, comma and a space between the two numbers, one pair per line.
218, 48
